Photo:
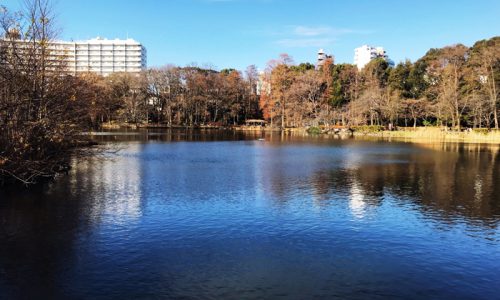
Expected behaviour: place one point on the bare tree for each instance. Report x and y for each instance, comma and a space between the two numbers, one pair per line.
448, 69
281, 79
485, 61
252, 80
42, 109
305, 96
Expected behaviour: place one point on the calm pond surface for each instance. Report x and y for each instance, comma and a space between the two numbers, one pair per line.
222, 215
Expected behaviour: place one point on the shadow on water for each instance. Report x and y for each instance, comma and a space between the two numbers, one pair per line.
38, 231
166, 214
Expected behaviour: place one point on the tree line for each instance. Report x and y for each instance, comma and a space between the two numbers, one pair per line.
174, 96
454, 86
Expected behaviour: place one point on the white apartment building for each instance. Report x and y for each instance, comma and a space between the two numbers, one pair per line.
364, 54
101, 56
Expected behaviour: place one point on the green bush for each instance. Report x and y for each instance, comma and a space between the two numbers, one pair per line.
481, 130
429, 123
314, 130
368, 128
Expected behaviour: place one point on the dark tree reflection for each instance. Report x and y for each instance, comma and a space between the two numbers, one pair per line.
450, 180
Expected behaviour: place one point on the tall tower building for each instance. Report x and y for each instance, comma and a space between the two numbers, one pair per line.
322, 57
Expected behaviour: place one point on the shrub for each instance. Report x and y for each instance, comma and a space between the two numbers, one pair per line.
314, 130
368, 128
427, 123
481, 130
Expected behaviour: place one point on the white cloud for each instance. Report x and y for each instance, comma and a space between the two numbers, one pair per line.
325, 30
317, 31
305, 42
311, 31
300, 36
303, 36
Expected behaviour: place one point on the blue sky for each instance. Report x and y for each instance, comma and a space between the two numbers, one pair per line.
237, 33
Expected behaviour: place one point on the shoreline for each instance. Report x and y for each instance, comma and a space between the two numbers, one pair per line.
419, 134
425, 134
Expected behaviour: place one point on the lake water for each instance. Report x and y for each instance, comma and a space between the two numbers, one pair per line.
193, 215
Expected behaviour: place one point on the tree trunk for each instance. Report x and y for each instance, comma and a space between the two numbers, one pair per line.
494, 97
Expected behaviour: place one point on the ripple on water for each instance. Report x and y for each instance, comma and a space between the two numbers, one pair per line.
225, 220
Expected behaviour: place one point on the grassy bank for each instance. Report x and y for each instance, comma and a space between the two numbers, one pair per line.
436, 134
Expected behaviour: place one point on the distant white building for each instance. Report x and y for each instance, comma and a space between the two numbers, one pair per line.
103, 56
100, 56
322, 57
364, 54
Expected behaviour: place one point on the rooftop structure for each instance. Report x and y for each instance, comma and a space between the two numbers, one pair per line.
322, 58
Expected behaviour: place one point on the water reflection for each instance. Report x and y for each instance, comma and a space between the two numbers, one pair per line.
228, 215
357, 202
112, 184
459, 181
